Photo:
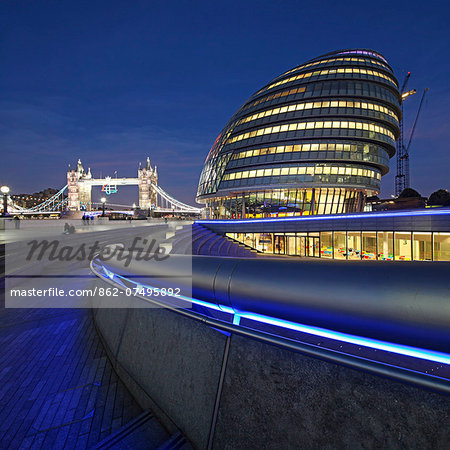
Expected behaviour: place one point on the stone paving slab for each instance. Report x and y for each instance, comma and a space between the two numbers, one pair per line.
57, 387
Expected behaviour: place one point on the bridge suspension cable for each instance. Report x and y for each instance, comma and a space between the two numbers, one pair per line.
55, 203
58, 202
176, 204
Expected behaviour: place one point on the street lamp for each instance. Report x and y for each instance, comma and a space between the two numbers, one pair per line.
5, 191
103, 200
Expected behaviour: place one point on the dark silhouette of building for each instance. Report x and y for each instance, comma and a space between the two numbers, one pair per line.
30, 200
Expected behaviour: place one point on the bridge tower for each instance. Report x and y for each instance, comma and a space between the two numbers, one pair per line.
79, 192
147, 176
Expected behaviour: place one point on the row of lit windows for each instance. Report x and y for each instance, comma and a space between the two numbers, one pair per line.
319, 89
363, 52
18, 197
376, 155
330, 146
313, 125
277, 95
304, 180
326, 61
302, 170
352, 70
353, 245
323, 104
215, 166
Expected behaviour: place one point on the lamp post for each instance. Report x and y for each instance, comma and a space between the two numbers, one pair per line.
103, 200
5, 191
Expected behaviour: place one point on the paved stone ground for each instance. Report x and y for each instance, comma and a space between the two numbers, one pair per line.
57, 387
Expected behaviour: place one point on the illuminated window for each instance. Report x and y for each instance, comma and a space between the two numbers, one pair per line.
402, 246
354, 244
369, 245
422, 249
339, 245
441, 246
329, 72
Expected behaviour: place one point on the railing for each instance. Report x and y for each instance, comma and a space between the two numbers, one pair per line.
365, 314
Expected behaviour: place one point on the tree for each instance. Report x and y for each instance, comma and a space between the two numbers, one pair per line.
408, 193
439, 198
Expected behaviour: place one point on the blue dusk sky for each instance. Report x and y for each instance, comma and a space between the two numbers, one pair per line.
111, 82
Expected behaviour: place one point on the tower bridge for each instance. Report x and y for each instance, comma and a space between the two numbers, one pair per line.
80, 183
76, 195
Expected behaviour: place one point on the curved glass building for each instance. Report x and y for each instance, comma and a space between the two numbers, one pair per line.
315, 140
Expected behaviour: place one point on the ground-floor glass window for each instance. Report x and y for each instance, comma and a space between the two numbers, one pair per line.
354, 244
291, 247
279, 244
302, 244
385, 245
422, 248
339, 244
263, 242
326, 239
441, 246
403, 247
313, 245
369, 245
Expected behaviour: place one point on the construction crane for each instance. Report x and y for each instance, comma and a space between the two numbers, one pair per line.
400, 177
405, 156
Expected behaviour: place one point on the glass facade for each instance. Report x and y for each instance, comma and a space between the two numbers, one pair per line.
315, 140
285, 202
352, 245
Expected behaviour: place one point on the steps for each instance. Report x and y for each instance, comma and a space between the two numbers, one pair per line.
199, 240
176, 442
144, 433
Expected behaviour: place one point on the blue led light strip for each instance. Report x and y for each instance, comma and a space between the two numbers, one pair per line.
405, 350
119, 278
332, 217
414, 352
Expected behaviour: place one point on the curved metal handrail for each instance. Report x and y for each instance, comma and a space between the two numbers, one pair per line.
410, 301
353, 361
